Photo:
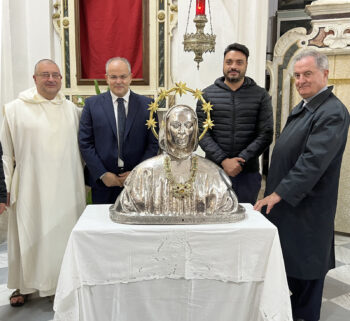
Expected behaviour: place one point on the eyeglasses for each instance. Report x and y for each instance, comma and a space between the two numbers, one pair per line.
114, 77
47, 75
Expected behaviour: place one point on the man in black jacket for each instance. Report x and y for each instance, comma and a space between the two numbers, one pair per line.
243, 124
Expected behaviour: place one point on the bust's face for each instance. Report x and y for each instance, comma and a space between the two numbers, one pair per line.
180, 129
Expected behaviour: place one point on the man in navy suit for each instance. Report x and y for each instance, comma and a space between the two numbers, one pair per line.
113, 137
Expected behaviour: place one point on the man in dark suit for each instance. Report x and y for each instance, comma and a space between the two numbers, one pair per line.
302, 185
113, 137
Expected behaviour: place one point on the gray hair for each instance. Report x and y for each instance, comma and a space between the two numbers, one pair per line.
44, 60
321, 59
118, 59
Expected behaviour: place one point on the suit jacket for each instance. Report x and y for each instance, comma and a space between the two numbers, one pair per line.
304, 171
98, 140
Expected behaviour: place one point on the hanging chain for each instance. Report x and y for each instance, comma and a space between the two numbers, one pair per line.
188, 16
211, 27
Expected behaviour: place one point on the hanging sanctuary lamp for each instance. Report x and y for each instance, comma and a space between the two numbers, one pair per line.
199, 42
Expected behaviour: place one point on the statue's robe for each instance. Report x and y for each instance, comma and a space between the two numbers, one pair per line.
148, 191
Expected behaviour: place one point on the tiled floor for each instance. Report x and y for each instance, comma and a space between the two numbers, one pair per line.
336, 293
335, 307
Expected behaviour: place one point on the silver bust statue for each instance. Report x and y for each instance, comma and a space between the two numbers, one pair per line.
177, 186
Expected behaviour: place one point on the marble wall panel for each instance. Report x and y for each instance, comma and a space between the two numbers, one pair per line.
340, 78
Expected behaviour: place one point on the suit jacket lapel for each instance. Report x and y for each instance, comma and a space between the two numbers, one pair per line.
109, 110
133, 109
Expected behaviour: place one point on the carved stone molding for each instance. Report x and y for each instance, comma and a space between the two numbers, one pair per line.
56, 18
319, 38
327, 8
292, 36
173, 10
331, 33
340, 38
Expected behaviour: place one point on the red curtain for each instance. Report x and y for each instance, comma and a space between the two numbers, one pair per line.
110, 28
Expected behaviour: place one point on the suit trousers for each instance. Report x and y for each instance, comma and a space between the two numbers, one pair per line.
246, 185
105, 195
306, 298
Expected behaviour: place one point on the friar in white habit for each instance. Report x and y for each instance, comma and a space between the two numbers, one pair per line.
44, 179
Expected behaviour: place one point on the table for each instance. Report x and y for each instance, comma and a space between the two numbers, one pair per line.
211, 272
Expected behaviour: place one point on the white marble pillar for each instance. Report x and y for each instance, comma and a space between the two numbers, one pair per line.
27, 36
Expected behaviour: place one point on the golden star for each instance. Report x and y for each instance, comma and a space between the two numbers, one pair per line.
197, 94
151, 123
163, 94
207, 107
153, 106
180, 88
208, 123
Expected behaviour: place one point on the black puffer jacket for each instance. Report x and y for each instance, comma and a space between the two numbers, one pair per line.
243, 122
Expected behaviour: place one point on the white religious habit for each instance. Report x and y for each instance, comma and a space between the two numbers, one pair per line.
44, 175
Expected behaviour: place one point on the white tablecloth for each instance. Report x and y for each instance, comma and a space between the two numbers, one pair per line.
172, 272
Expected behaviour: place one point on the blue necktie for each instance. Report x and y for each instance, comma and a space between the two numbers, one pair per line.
121, 126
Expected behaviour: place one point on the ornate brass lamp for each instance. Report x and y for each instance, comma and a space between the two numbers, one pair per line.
199, 42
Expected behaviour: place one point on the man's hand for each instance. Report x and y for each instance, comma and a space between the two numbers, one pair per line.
110, 180
232, 166
270, 201
123, 177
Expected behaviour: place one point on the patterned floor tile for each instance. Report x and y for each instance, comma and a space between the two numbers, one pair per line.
334, 288
3, 260
333, 312
341, 274
3, 247
3, 275
338, 263
342, 254
343, 301
34, 310
341, 239
4, 295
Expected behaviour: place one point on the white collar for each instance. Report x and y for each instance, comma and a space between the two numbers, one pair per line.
125, 97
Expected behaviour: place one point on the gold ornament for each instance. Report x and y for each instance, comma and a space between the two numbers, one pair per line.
181, 190
180, 89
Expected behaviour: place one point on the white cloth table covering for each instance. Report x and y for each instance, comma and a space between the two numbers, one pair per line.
172, 272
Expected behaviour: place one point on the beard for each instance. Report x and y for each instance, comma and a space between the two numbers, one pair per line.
237, 78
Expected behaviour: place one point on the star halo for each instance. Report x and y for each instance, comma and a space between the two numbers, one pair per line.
180, 88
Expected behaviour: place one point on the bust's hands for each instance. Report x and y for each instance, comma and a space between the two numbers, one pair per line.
270, 201
232, 166
111, 179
